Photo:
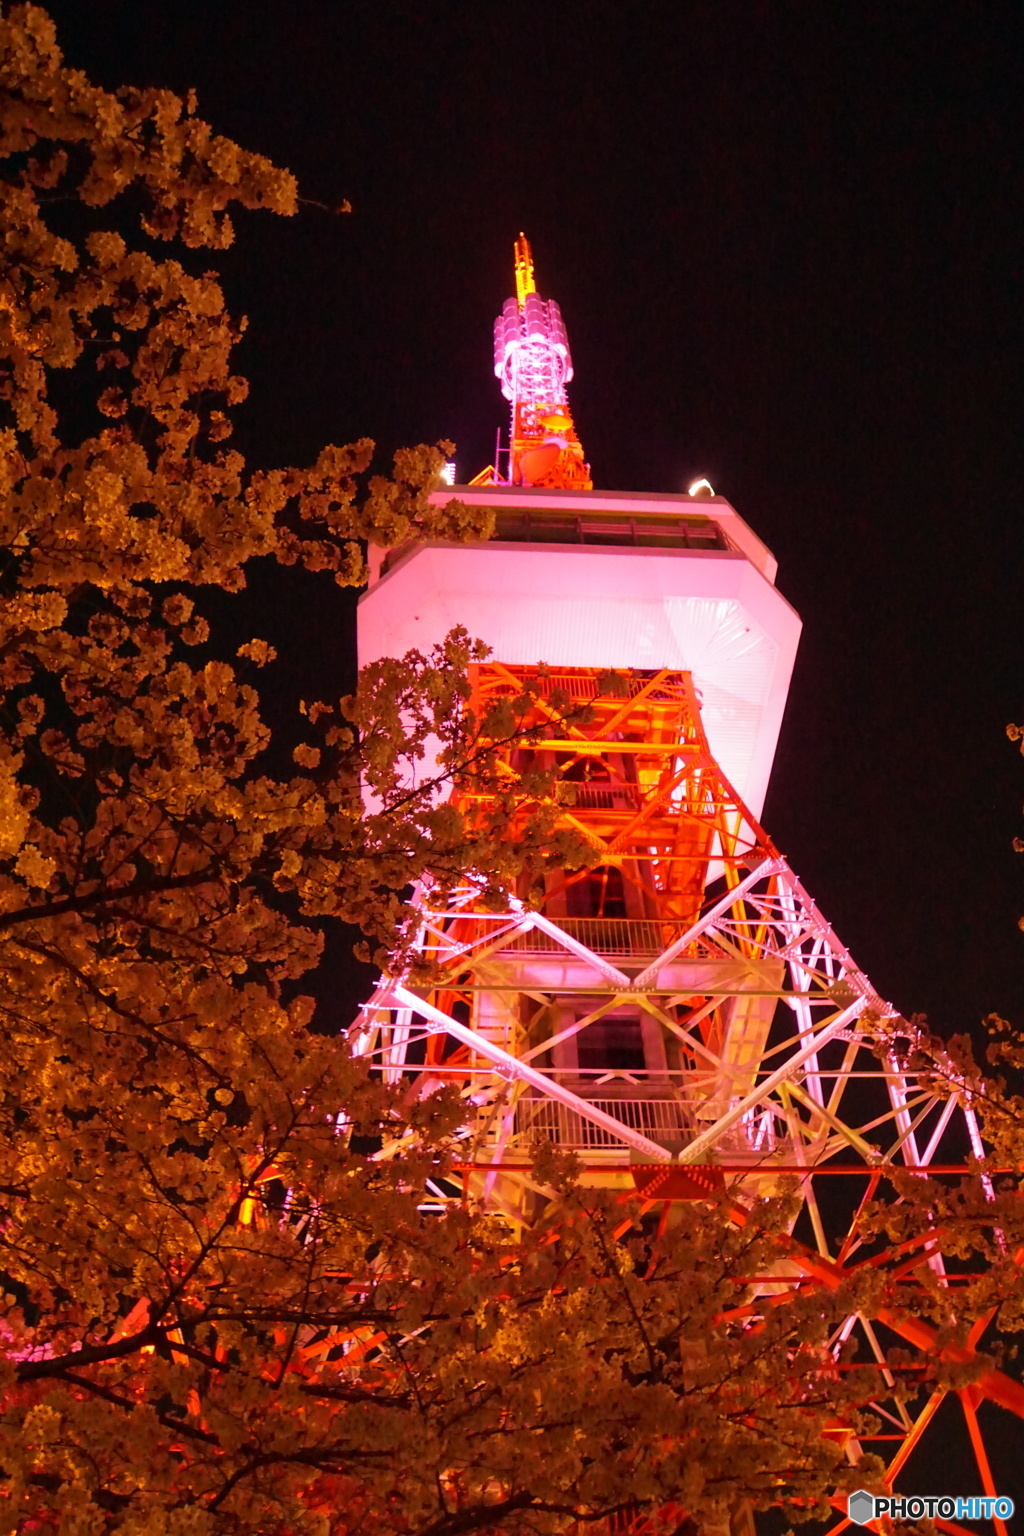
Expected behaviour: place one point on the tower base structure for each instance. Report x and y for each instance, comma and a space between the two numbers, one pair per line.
680, 1016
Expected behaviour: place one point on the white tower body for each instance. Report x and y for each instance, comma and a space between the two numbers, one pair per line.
608, 580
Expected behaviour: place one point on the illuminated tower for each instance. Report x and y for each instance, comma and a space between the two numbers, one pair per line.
533, 362
681, 1015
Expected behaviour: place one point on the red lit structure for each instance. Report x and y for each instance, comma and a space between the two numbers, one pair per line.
533, 362
682, 1016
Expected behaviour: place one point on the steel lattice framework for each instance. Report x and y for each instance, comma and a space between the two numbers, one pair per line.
682, 1016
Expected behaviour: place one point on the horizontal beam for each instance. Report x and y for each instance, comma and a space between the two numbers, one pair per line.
598, 748
772, 1170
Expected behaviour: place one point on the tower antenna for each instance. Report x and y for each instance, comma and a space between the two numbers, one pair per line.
533, 362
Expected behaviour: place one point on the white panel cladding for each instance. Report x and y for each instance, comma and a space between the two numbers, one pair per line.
707, 612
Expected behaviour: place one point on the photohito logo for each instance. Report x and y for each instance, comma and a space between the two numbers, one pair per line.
862, 1507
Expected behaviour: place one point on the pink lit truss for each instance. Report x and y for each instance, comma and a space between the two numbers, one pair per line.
809, 1079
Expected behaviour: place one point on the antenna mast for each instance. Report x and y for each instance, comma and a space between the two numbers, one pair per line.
533, 362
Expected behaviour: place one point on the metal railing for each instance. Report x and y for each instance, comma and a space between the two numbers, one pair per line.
623, 938
605, 797
661, 1118
642, 937
540, 1119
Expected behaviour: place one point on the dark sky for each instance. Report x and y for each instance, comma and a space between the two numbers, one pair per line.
786, 241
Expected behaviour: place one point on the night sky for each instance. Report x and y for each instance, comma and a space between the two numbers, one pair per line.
786, 242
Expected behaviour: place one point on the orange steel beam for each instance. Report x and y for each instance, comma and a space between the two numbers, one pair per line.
981, 1456
993, 1384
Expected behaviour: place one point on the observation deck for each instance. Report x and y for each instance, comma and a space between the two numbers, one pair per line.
607, 580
